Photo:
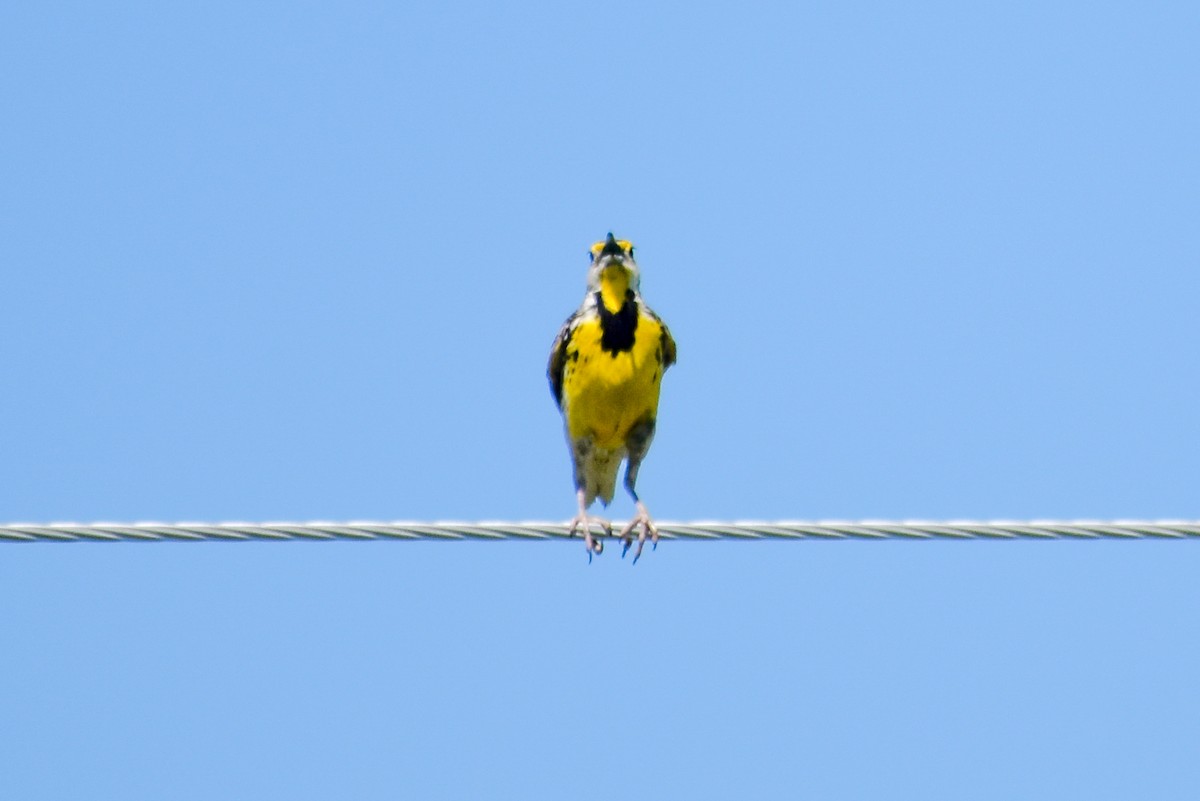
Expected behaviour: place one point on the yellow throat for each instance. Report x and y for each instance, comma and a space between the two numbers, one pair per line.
614, 283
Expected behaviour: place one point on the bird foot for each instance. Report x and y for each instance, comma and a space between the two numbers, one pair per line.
645, 527
584, 522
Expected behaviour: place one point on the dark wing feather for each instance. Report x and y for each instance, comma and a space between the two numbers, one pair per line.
558, 359
666, 341
668, 346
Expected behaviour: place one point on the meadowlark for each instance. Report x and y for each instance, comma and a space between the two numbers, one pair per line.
606, 367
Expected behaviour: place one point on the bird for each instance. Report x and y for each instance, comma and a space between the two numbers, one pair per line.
605, 370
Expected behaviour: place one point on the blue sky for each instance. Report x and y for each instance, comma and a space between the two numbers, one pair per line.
295, 262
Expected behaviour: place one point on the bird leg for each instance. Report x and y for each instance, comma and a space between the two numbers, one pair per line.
584, 522
643, 522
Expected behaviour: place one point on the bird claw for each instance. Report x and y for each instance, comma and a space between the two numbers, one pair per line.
584, 523
643, 522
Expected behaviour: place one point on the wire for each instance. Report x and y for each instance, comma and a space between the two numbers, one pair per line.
782, 530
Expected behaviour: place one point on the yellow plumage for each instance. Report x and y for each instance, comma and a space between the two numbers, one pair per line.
605, 394
606, 368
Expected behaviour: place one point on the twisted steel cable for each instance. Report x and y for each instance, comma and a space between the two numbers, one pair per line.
702, 530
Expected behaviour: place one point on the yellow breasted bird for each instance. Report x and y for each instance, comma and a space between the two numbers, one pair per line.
606, 367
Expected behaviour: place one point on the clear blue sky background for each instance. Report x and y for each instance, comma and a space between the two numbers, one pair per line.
293, 261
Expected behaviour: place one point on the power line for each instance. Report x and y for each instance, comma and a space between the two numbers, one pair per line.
703, 530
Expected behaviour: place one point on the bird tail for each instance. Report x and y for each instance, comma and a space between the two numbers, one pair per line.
600, 476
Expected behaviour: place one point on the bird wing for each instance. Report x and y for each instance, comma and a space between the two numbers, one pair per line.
666, 341
558, 358
668, 346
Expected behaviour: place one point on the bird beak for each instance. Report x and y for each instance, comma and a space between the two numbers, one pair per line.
611, 248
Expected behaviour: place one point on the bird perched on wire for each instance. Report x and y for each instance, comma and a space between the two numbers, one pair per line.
606, 367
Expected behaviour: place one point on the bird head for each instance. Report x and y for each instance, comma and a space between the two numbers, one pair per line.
613, 270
